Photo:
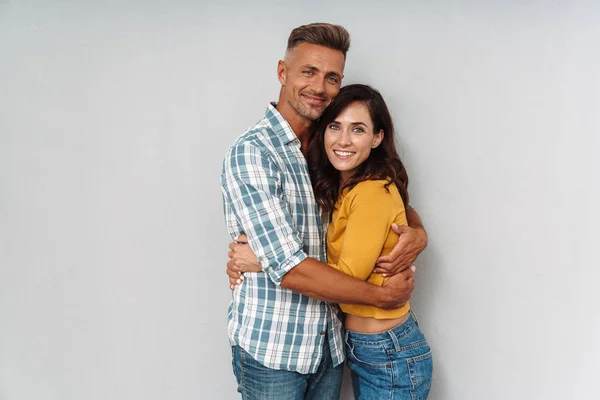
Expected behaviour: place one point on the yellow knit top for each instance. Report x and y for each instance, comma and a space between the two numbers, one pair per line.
360, 231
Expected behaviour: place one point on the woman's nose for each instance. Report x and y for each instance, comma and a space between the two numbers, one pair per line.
344, 139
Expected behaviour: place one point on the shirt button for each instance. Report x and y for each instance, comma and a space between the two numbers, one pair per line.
296, 142
322, 333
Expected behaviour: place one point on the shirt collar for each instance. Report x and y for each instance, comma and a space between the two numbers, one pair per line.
282, 128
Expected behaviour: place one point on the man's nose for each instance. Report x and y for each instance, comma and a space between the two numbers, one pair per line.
318, 86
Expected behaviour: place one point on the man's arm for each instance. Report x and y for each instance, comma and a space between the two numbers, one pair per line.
365, 234
252, 190
368, 211
327, 284
412, 241
315, 279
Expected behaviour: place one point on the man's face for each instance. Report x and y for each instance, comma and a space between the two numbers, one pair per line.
311, 77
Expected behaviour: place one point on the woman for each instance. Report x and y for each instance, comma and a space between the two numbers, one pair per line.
360, 181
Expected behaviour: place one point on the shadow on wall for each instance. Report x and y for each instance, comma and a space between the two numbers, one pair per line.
428, 283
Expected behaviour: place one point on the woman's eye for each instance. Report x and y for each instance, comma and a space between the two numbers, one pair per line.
333, 127
358, 130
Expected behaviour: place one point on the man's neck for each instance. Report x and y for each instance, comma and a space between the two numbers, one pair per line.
302, 127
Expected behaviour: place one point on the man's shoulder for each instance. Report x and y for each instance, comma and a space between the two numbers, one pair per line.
255, 148
257, 137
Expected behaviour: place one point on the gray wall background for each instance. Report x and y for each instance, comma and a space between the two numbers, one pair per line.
114, 117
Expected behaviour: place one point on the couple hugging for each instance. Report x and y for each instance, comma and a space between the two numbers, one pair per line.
315, 197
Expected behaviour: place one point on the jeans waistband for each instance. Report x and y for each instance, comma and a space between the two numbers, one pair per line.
392, 335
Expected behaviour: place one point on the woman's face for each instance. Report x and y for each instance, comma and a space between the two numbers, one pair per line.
349, 139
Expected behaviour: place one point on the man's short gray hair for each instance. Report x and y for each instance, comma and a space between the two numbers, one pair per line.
328, 35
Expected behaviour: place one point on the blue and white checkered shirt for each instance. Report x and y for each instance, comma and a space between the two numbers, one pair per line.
268, 196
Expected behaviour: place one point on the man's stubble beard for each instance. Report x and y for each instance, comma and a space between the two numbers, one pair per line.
306, 111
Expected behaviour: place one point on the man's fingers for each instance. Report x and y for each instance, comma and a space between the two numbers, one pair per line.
386, 273
394, 254
384, 261
400, 229
407, 273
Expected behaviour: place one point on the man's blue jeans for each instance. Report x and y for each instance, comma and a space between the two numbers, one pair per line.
394, 364
257, 382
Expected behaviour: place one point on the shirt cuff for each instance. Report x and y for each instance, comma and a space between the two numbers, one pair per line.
277, 274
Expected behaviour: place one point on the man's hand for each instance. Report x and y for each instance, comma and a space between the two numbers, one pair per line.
241, 259
411, 242
398, 289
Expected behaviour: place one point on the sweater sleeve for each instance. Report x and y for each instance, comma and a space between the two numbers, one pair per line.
370, 214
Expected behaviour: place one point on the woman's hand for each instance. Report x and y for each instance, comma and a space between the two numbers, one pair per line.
241, 259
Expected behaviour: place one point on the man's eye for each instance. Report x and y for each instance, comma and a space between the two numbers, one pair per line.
333, 79
308, 72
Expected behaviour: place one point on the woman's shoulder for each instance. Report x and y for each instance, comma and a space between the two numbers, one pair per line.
375, 187
375, 184
379, 194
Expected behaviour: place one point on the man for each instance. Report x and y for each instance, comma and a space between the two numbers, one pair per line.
285, 336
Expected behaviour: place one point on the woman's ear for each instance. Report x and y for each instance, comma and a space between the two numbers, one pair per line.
377, 139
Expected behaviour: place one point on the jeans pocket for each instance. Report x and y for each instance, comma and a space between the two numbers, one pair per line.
374, 355
420, 371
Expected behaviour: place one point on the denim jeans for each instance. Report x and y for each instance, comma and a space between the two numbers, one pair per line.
257, 382
394, 364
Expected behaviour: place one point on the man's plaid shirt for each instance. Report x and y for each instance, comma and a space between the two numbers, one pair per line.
267, 195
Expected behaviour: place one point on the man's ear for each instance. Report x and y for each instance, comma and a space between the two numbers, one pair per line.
281, 72
377, 139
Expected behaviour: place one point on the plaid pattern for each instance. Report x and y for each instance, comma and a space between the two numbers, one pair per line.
268, 196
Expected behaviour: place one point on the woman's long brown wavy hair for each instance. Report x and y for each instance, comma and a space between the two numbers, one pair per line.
383, 162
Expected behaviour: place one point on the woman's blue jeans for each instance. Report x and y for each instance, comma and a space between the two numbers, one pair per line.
394, 364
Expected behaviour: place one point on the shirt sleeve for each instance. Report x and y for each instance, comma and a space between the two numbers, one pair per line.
371, 213
253, 195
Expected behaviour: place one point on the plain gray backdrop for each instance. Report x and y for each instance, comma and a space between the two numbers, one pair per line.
114, 118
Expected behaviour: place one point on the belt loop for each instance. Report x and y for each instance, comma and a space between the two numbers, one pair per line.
414, 316
394, 339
